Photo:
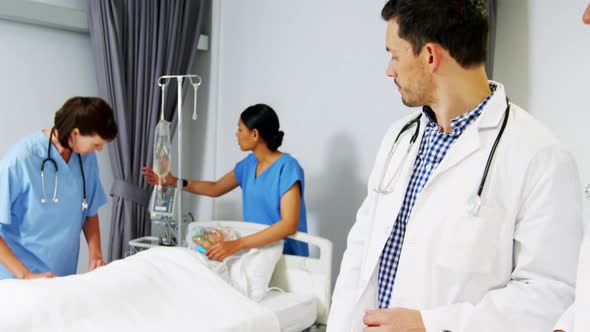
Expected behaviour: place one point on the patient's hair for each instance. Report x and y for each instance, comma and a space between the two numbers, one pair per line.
460, 26
91, 115
264, 119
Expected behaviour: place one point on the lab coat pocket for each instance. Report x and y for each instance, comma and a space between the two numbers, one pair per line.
470, 243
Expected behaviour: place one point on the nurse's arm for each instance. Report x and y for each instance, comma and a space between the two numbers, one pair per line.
92, 233
15, 266
290, 209
225, 184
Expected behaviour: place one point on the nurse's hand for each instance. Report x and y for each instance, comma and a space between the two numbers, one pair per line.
151, 177
221, 250
393, 319
32, 275
94, 263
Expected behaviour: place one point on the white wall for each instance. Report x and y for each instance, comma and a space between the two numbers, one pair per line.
321, 65
199, 136
543, 57
41, 68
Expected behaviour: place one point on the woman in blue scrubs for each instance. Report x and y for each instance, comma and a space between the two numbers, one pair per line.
41, 216
272, 185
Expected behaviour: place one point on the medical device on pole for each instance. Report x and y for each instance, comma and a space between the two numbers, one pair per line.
165, 204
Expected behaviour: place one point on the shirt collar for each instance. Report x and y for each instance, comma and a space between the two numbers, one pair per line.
461, 122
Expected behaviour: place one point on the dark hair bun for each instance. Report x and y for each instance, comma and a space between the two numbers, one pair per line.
264, 119
276, 141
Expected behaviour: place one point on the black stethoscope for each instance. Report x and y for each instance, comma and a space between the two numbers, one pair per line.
49, 159
474, 202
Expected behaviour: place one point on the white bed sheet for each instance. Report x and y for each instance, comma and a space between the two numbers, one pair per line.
295, 312
161, 289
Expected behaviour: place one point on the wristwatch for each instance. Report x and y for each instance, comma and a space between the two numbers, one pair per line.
184, 183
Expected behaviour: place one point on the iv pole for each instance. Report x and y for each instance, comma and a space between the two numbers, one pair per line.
179, 78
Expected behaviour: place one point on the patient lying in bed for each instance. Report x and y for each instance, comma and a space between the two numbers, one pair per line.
155, 290
249, 272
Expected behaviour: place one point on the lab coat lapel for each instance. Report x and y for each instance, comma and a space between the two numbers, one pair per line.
465, 145
387, 206
470, 140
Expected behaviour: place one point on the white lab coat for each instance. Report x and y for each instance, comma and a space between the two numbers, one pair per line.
511, 268
576, 318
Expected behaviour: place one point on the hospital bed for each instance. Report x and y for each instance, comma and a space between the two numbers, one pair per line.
305, 280
168, 288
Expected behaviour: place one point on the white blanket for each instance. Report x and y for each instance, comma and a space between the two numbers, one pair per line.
161, 289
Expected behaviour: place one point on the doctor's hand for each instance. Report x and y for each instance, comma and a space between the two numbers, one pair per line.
94, 263
393, 320
32, 275
221, 250
151, 177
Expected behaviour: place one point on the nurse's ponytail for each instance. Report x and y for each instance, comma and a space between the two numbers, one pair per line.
264, 119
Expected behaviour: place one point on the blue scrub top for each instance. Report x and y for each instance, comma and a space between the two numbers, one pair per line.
261, 196
45, 237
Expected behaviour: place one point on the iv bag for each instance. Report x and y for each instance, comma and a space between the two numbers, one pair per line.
161, 163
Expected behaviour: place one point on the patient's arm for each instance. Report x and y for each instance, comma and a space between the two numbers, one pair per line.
290, 209
14, 265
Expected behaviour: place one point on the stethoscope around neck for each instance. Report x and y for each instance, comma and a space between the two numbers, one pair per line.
54, 199
474, 202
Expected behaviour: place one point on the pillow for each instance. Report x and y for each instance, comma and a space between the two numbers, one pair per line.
250, 274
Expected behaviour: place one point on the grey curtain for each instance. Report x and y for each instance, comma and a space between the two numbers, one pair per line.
492, 7
135, 42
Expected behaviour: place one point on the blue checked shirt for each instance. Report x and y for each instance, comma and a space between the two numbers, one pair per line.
433, 148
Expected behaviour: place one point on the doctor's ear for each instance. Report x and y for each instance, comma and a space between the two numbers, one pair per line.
74, 134
433, 53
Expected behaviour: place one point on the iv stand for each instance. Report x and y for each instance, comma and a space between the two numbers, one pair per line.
179, 78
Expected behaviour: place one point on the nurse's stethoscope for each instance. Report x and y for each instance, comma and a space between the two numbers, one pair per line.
474, 202
49, 159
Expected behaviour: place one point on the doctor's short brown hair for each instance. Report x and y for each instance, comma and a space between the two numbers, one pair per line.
460, 26
90, 115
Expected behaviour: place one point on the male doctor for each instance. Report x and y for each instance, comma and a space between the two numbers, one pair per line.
577, 318
430, 250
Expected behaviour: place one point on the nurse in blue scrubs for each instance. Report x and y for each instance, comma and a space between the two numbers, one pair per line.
272, 185
41, 218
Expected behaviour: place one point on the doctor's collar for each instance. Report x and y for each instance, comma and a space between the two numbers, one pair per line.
459, 123
430, 116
